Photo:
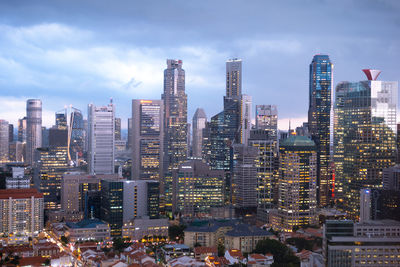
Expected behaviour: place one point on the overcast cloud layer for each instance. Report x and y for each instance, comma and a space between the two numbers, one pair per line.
81, 52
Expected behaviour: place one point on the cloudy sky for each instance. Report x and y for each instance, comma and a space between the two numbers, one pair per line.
81, 52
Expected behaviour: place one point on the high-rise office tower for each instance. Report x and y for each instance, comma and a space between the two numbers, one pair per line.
4, 140
245, 114
129, 141
33, 128
10, 133
101, 138
265, 138
319, 121
117, 128
45, 137
244, 179
112, 202
267, 119
234, 77
197, 188
199, 123
297, 184
61, 119
267, 164
147, 139
22, 130
365, 139
76, 139
51, 163
175, 115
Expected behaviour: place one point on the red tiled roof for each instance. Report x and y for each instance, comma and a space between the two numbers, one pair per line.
34, 261
257, 256
235, 253
20, 193
204, 250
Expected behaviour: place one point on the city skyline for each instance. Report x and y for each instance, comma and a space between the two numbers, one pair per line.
123, 56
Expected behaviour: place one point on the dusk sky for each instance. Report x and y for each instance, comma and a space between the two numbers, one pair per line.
81, 52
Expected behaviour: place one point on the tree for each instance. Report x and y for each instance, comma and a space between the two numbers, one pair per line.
300, 243
47, 262
282, 254
119, 244
197, 244
175, 232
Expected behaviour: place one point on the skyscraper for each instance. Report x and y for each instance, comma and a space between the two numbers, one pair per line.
245, 118
129, 141
33, 128
76, 139
197, 188
297, 184
199, 123
319, 121
101, 138
147, 139
61, 119
4, 140
22, 130
244, 179
267, 164
117, 128
365, 140
175, 115
234, 77
267, 119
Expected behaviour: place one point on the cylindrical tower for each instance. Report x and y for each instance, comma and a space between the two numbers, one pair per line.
34, 128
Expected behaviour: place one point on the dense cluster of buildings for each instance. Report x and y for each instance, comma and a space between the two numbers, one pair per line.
84, 174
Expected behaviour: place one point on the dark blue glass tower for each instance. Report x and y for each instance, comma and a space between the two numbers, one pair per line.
319, 121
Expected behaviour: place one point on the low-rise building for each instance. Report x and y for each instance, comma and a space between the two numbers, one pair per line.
184, 261
235, 256
89, 229
255, 260
245, 237
201, 253
370, 243
176, 250
138, 228
212, 261
310, 259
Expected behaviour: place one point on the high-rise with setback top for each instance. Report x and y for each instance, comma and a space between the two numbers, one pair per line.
319, 121
101, 138
175, 115
33, 128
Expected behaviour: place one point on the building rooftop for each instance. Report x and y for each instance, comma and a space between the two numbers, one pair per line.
247, 230
20, 193
297, 141
238, 228
87, 223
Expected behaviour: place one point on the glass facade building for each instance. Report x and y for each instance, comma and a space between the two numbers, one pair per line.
319, 122
52, 162
297, 184
198, 188
76, 138
175, 115
267, 164
112, 200
364, 140
199, 123
101, 123
147, 139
